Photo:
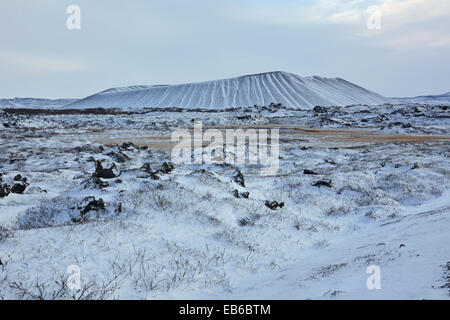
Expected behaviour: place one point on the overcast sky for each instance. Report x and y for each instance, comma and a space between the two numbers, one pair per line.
174, 41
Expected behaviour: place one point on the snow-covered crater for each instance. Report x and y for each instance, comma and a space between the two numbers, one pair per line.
258, 89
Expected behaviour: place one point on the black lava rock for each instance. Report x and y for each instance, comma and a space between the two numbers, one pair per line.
167, 167
4, 190
273, 205
92, 205
238, 177
322, 183
19, 188
101, 172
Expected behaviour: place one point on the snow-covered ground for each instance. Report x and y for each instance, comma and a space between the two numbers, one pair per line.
429, 99
34, 103
150, 231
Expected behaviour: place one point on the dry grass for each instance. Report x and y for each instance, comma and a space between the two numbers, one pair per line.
287, 134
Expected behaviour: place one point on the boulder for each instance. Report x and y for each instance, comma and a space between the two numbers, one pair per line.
273, 205
167, 167
92, 204
323, 183
19, 188
238, 177
4, 190
101, 172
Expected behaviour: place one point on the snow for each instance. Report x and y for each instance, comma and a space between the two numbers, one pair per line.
405, 250
261, 89
34, 103
185, 235
430, 99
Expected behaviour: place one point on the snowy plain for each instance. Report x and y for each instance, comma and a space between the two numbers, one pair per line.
163, 233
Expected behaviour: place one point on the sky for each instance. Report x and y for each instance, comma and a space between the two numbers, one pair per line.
397, 48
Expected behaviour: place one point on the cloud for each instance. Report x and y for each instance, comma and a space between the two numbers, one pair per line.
37, 64
413, 23
298, 14
403, 22
410, 11
420, 38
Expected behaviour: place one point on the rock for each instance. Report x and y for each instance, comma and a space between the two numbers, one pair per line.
128, 146
238, 177
118, 156
245, 194
273, 205
167, 167
319, 109
154, 176
333, 293
20, 178
246, 222
306, 171
101, 172
92, 205
19, 188
275, 105
146, 167
96, 183
4, 190
400, 124
323, 183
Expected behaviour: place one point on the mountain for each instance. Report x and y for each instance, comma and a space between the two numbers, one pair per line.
440, 98
262, 89
33, 103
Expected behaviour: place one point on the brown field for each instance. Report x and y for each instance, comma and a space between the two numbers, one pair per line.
291, 133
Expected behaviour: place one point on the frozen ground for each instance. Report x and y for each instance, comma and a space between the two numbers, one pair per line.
160, 233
